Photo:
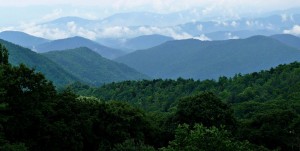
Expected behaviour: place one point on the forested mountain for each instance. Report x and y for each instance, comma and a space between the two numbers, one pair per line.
145, 42
266, 103
75, 42
253, 112
92, 68
22, 39
210, 59
137, 43
42, 64
287, 39
238, 34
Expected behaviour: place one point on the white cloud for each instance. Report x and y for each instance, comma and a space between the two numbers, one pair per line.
202, 37
53, 15
234, 23
7, 28
200, 27
115, 32
231, 36
72, 27
80, 31
284, 17
173, 32
42, 31
221, 23
165, 5
269, 26
294, 31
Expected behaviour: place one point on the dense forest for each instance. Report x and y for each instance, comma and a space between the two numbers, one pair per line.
257, 111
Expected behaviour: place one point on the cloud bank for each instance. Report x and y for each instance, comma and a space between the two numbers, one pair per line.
294, 31
165, 5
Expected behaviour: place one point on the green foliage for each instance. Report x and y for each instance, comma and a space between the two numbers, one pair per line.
200, 138
3, 55
92, 68
20, 55
14, 147
33, 116
155, 95
204, 108
273, 129
259, 95
130, 145
210, 59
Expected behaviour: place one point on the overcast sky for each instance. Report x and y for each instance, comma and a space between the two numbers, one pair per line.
19, 11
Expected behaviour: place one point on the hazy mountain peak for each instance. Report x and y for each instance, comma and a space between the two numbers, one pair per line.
22, 39
210, 59
91, 67
76, 42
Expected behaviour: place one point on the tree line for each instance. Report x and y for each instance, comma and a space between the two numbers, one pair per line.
149, 115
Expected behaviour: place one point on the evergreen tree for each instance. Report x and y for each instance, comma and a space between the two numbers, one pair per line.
1, 54
5, 55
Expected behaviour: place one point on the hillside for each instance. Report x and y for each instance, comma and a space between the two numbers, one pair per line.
241, 34
22, 39
145, 42
91, 67
266, 103
76, 42
51, 70
210, 59
287, 39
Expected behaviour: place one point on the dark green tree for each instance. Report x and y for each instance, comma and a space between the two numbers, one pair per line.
201, 138
3, 55
204, 108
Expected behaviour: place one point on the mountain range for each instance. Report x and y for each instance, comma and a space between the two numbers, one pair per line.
22, 39
51, 70
290, 40
179, 25
210, 59
111, 48
137, 43
91, 67
274, 24
156, 56
69, 66
75, 42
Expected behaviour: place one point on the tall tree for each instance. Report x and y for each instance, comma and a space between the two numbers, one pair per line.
5, 55
204, 108
1, 54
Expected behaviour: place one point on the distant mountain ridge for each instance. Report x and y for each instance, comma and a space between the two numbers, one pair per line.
137, 43
210, 59
76, 42
92, 68
146, 41
287, 39
189, 23
22, 39
51, 70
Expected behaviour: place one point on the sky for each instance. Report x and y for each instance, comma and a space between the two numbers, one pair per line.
28, 15
14, 12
